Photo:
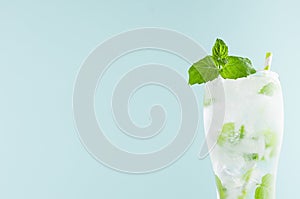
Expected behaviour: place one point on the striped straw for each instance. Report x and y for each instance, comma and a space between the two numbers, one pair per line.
268, 61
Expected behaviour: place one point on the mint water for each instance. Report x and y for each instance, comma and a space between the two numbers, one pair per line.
246, 149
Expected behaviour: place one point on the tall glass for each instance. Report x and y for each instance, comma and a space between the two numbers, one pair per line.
246, 147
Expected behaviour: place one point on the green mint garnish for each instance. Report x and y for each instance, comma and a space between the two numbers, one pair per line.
237, 67
221, 189
203, 71
220, 53
265, 189
230, 135
220, 63
268, 89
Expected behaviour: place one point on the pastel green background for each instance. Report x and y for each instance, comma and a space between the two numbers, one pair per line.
42, 45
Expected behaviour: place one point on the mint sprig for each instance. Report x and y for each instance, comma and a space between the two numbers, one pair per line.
219, 63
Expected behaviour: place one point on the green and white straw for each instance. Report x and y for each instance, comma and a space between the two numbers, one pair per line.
268, 61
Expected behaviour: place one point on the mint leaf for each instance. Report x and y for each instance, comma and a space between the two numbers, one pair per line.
237, 67
221, 189
230, 135
251, 156
242, 132
208, 101
228, 127
244, 194
270, 139
203, 71
266, 188
247, 175
268, 89
262, 193
227, 133
267, 180
220, 52
271, 142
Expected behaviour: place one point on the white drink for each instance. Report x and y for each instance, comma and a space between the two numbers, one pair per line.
247, 146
